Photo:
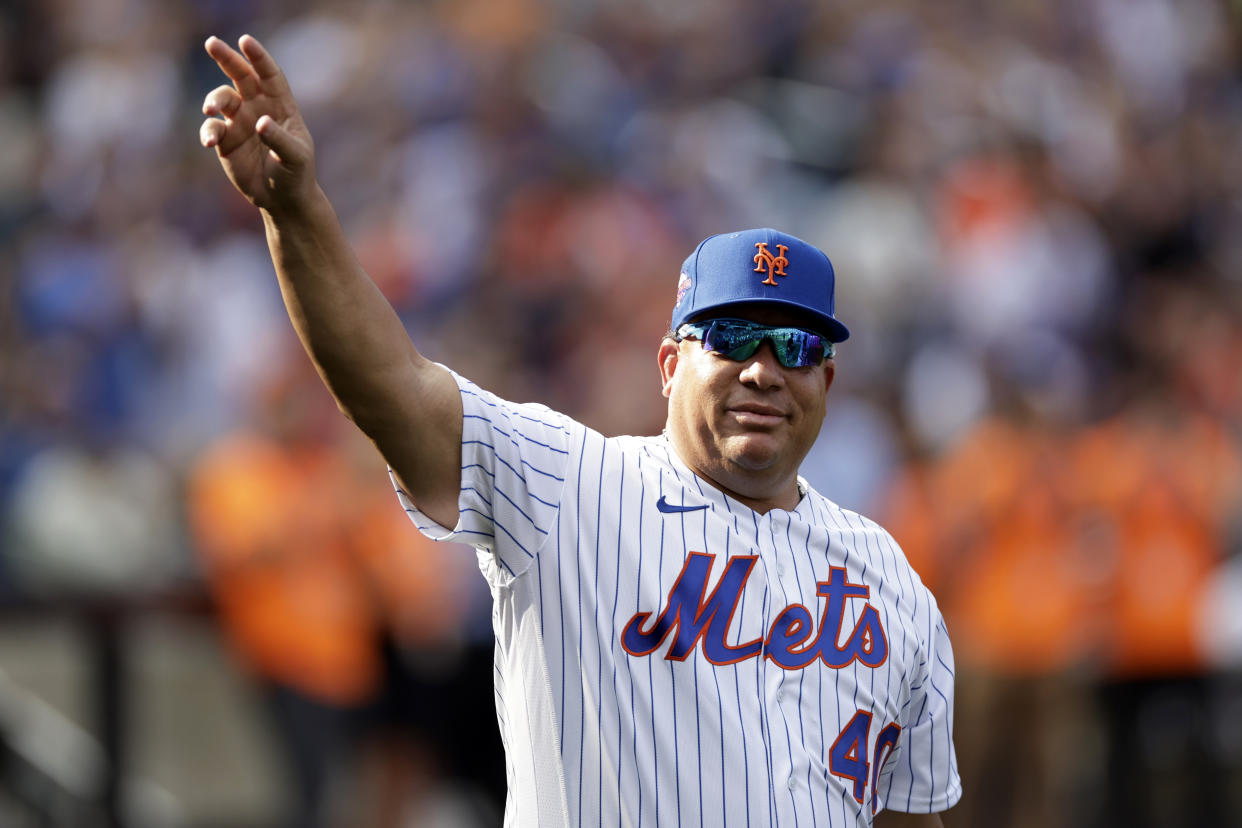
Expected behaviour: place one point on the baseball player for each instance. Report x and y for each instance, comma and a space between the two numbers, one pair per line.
686, 632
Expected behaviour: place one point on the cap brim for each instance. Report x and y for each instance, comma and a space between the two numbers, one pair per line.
820, 322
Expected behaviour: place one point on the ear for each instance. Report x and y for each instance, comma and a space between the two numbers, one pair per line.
830, 373
668, 355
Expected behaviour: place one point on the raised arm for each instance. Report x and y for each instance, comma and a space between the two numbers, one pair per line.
407, 405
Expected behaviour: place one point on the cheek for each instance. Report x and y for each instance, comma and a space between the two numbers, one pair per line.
814, 397
690, 389
702, 378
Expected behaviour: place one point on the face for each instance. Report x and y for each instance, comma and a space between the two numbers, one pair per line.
744, 425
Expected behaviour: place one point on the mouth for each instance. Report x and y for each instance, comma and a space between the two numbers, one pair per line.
756, 415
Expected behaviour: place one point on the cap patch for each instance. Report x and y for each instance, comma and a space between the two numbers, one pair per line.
765, 262
683, 285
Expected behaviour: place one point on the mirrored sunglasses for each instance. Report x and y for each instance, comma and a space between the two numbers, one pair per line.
738, 339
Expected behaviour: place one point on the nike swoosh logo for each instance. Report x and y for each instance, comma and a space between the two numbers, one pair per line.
669, 509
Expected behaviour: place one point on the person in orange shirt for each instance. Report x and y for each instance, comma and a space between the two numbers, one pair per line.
271, 525
359, 632
991, 523
1166, 475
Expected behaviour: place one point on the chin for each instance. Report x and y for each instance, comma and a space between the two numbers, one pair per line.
753, 452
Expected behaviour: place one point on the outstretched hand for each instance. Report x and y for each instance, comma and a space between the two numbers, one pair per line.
255, 126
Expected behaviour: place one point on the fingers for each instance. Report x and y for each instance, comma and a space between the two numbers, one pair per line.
258, 103
237, 123
211, 133
270, 75
235, 65
223, 101
226, 102
285, 147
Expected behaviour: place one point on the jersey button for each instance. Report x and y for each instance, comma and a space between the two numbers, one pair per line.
780, 570
792, 783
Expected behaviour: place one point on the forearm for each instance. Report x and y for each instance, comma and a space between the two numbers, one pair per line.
351, 332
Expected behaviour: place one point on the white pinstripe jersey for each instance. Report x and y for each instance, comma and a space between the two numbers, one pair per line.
667, 656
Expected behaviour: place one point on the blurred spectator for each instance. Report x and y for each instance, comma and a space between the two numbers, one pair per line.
93, 518
1170, 476
354, 629
1067, 555
990, 526
270, 516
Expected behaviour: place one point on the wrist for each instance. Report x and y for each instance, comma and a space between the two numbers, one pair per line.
306, 208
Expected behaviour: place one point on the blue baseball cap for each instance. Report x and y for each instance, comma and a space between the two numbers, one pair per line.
763, 266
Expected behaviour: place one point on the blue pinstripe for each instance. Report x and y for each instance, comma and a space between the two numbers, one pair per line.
599, 502
698, 719
509, 414
737, 684
673, 675
784, 718
510, 535
521, 511
806, 548
845, 814
642, 493
910, 755
524, 436
616, 598
719, 699
764, 722
901, 591
492, 475
560, 582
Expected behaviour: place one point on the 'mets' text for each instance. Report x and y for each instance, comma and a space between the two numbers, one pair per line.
792, 641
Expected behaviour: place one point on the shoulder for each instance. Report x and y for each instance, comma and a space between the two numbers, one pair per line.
628, 454
654, 449
849, 523
859, 534
479, 402
538, 424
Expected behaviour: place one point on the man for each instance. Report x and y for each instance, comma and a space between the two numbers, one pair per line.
685, 632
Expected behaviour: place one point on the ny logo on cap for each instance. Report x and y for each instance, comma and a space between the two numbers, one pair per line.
773, 265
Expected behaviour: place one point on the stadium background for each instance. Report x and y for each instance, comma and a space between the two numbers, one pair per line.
211, 611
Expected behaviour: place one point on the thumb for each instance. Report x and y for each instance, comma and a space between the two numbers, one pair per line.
290, 151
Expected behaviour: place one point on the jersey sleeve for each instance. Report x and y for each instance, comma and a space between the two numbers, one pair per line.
513, 461
924, 776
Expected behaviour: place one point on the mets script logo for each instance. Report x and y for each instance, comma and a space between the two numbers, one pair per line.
765, 262
792, 642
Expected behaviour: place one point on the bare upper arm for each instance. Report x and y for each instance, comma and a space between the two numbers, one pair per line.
896, 819
419, 434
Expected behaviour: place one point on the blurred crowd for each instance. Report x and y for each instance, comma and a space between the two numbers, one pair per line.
1034, 209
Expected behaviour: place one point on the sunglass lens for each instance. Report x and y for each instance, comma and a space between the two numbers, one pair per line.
733, 340
743, 350
795, 348
798, 349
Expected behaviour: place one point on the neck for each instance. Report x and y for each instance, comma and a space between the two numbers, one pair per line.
749, 488
788, 500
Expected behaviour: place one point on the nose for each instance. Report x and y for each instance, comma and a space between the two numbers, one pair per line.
762, 369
